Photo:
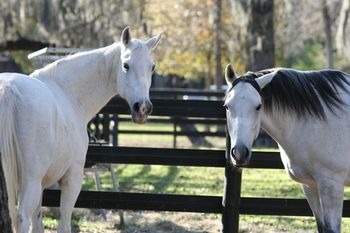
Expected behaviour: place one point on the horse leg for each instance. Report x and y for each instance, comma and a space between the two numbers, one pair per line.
331, 195
311, 193
28, 201
70, 187
37, 219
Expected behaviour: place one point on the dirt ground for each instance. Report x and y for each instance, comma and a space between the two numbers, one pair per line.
161, 222
147, 222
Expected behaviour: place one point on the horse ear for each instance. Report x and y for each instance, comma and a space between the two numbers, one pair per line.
126, 36
265, 79
152, 43
230, 75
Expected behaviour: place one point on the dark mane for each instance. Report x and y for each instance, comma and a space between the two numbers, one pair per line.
303, 92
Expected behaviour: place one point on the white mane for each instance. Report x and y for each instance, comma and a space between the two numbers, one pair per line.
53, 69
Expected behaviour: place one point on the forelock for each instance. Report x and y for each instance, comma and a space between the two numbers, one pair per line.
247, 78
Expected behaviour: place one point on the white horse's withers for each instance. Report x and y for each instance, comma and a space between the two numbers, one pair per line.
44, 116
308, 114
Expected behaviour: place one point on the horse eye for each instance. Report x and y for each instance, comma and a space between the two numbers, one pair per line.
126, 66
225, 106
153, 68
258, 107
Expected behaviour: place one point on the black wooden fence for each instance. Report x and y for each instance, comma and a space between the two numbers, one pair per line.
181, 126
103, 131
231, 205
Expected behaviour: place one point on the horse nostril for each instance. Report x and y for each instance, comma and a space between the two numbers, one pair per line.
246, 152
150, 108
232, 151
136, 107
240, 154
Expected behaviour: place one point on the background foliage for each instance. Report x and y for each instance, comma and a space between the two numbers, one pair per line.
187, 48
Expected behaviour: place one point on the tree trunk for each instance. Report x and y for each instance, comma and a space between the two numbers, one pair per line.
260, 45
218, 29
328, 35
341, 32
5, 220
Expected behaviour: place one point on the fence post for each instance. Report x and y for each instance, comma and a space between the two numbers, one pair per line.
97, 121
232, 193
106, 132
174, 132
115, 131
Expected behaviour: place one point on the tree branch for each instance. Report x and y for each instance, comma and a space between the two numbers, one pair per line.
23, 44
341, 32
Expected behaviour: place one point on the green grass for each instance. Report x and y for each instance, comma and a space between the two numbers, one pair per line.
269, 183
82, 220
163, 140
164, 179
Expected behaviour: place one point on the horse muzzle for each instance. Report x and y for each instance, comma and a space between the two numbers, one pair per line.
240, 155
140, 111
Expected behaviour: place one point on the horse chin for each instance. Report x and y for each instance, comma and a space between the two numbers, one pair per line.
138, 118
238, 163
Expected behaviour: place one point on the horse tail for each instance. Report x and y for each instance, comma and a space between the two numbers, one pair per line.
10, 153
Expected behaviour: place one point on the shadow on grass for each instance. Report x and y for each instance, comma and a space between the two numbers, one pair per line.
159, 183
163, 182
127, 183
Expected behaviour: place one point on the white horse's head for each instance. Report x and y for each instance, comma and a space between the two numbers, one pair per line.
243, 103
135, 74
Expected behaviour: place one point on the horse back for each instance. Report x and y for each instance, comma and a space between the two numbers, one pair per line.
49, 131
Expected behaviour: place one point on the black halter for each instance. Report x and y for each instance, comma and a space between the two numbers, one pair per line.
252, 81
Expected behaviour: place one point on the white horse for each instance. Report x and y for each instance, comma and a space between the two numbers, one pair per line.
308, 114
44, 116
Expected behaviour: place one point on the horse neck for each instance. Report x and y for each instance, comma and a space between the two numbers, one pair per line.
278, 126
88, 79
